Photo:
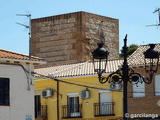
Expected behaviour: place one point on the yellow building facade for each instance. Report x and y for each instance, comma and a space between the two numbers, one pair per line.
91, 107
76, 96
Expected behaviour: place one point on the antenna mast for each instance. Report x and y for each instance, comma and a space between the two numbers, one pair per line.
29, 32
157, 10
29, 81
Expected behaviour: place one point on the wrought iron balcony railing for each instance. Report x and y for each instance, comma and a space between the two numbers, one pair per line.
73, 111
42, 113
104, 109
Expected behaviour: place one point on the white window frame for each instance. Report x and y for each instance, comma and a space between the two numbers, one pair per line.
156, 85
104, 108
74, 114
76, 94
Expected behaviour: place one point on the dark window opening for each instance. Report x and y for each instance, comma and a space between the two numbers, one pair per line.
4, 91
73, 107
37, 106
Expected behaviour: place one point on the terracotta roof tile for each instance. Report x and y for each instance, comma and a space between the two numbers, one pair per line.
12, 55
137, 58
86, 68
79, 69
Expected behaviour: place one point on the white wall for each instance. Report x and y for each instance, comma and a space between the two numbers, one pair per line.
21, 99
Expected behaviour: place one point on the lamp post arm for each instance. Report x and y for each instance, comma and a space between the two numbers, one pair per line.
125, 79
102, 79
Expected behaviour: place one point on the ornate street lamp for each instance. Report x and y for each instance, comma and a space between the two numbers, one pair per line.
125, 73
151, 60
100, 57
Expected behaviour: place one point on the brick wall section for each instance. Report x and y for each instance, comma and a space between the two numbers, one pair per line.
147, 104
70, 38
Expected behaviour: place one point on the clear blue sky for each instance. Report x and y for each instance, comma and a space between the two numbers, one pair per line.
133, 17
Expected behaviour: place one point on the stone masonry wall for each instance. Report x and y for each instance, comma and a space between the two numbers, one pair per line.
54, 39
70, 38
110, 28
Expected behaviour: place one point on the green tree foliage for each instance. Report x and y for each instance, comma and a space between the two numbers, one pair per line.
131, 49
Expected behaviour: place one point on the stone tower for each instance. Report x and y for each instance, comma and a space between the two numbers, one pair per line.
70, 38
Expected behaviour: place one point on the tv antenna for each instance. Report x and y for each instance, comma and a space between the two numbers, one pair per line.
29, 81
157, 10
28, 27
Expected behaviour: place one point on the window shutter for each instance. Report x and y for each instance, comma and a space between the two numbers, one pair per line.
76, 104
138, 90
157, 85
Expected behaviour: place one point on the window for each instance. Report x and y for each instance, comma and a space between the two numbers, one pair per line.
138, 89
4, 91
37, 106
105, 103
157, 87
73, 105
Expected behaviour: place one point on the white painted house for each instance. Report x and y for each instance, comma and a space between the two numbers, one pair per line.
17, 86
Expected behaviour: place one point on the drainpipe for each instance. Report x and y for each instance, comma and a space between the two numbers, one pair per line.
57, 99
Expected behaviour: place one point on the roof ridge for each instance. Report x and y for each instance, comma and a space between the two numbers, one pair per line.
24, 55
13, 52
6, 54
148, 44
85, 68
136, 51
137, 57
118, 59
63, 64
139, 48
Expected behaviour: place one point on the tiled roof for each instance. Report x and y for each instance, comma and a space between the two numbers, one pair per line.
4, 54
137, 58
79, 69
86, 68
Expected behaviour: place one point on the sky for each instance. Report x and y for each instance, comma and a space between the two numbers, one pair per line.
133, 17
